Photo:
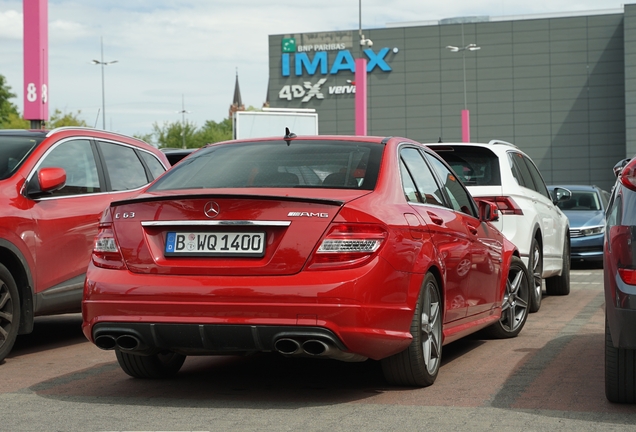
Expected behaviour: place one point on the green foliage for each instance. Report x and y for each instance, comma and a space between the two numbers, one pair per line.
212, 132
60, 119
15, 121
175, 134
7, 109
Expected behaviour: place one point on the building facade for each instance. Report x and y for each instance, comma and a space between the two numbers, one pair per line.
560, 87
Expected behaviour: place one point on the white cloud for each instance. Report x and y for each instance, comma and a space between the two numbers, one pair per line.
10, 24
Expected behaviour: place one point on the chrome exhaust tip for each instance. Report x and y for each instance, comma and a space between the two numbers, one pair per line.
105, 342
128, 343
287, 346
315, 347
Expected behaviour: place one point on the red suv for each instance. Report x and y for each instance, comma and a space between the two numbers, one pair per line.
54, 186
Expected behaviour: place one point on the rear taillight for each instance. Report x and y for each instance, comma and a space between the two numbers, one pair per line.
106, 253
506, 205
628, 175
628, 276
348, 245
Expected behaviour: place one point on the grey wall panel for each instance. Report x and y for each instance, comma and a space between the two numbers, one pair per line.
531, 129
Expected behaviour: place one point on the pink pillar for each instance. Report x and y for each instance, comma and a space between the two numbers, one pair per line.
36, 60
361, 96
465, 126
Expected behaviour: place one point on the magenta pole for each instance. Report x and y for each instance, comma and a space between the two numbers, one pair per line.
36, 62
465, 126
361, 96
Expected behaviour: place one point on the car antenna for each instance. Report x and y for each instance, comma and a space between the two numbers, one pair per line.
440, 140
288, 136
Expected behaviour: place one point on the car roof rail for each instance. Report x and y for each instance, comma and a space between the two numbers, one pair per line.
496, 141
88, 128
65, 128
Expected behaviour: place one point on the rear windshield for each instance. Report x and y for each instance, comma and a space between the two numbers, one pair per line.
475, 166
304, 164
13, 151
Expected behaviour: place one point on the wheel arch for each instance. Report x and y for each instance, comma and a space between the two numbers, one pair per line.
16, 263
437, 273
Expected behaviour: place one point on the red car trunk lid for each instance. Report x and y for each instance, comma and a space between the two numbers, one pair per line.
229, 235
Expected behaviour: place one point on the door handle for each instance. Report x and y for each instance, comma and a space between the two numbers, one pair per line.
436, 219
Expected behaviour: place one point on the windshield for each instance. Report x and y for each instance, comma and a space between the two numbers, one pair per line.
581, 200
310, 163
13, 151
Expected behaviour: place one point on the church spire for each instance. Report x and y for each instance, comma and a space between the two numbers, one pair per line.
237, 102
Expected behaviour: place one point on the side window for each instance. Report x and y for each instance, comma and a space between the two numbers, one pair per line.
422, 176
605, 197
77, 159
536, 177
614, 211
124, 168
408, 186
520, 170
156, 169
459, 196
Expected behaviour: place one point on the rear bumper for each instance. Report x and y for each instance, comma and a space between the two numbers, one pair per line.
365, 311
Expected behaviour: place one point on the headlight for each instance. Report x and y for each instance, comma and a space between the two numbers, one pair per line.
588, 231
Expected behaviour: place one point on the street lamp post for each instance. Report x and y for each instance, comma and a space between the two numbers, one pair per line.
465, 112
103, 63
361, 80
183, 112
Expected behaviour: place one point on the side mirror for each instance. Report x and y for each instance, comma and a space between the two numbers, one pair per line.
488, 211
48, 180
561, 194
619, 166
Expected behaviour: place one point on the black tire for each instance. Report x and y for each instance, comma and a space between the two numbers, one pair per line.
9, 312
560, 285
515, 303
151, 366
620, 371
535, 266
419, 364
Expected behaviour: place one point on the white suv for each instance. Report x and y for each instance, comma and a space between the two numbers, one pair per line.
502, 173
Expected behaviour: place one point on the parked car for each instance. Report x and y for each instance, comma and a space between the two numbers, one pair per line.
585, 210
619, 262
501, 172
175, 155
54, 187
333, 247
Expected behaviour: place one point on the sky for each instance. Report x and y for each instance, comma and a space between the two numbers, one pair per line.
176, 54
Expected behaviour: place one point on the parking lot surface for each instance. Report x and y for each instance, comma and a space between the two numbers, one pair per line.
550, 377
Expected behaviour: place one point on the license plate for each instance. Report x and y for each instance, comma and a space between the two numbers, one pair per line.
249, 244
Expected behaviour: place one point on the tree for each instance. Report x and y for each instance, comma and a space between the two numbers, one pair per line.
171, 134
212, 132
60, 119
7, 109
15, 121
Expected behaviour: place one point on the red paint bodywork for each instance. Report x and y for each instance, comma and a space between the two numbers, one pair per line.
46, 242
369, 307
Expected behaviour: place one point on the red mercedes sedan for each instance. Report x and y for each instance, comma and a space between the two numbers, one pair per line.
340, 247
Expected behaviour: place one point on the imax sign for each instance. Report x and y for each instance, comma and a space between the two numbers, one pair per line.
324, 62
